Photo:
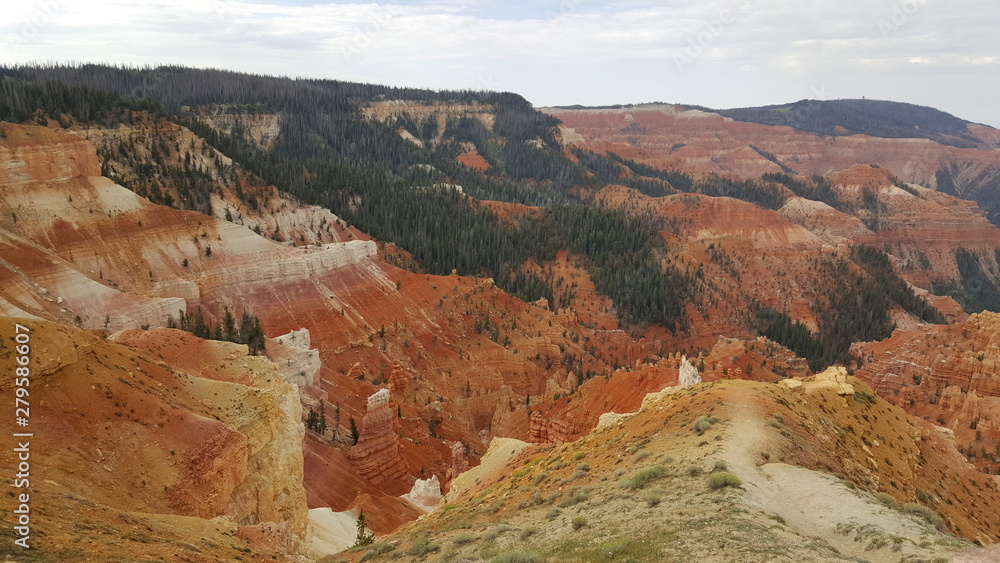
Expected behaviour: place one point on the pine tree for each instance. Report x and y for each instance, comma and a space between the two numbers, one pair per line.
321, 418
311, 419
363, 538
354, 432
229, 325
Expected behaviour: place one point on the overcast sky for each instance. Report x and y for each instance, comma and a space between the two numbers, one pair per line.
717, 53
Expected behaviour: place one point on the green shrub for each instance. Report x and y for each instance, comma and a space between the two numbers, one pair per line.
495, 532
864, 397
528, 532
579, 522
694, 471
645, 477
464, 539
877, 542
654, 498
720, 466
423, 546
574, 497
701, 424
721, 479
887, 500
377, 549
927, 514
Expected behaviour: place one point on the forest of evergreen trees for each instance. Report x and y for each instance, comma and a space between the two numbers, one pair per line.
876, 118
329, 154
978, 290
857, 308
248, 331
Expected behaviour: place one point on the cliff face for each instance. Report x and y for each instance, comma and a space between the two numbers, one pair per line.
143, 435
80, 249
921, 225
699, 141
268, 414
37, 154
945, 374
436, 112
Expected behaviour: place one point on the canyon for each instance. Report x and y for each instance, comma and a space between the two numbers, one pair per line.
455, 401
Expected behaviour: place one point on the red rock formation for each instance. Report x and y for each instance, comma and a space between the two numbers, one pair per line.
458, 463
376, 455
37, 154
698, 141
399, 378
570, 417
946, 374
549, 431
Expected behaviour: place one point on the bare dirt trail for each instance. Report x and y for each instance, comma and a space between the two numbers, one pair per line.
820, 505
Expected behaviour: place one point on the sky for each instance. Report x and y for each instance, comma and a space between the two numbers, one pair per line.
715, 53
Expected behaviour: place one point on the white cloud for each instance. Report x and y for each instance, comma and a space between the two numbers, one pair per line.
553, 51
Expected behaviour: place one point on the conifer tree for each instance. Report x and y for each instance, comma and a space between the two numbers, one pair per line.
363, 537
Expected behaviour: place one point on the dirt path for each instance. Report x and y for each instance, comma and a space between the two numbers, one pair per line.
817, 504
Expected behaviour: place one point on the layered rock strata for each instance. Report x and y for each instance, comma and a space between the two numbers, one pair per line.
377, 454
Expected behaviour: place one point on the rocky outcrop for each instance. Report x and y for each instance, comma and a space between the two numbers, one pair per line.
947, 373
830, 225
548, 431
687, 374
423, 112
459, 463
268, 417
833, 378
377, 454
399, 378
425, 494
298, 361
200, 429
259, 129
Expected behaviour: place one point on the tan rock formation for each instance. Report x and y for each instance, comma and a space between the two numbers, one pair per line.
263, 408
298, 361
146, 434
687, 374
